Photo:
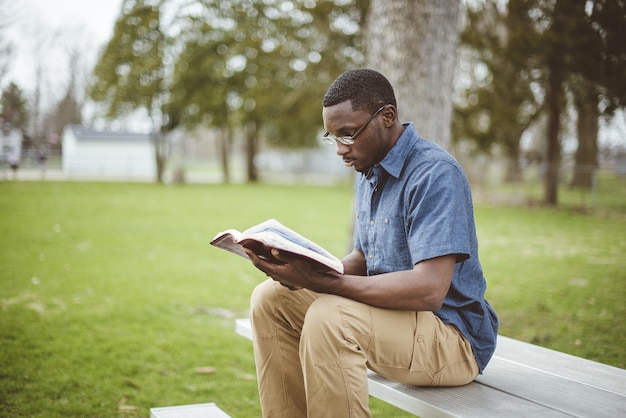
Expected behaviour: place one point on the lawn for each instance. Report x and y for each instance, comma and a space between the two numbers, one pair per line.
112, 301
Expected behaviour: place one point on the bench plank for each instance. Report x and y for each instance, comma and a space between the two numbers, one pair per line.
202, 410
552, 391
578, 369
472, 401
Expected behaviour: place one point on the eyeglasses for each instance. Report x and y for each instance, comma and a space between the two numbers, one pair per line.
349, 140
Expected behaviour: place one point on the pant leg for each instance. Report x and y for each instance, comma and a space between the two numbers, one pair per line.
333, 353
277, 315
341, 338
337, 339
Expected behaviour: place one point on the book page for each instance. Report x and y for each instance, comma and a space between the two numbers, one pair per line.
273, 225
272, 233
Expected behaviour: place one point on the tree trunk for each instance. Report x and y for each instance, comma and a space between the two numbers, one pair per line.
553, 144
554, 104
513, 173
160, 155
586, 99
224, 153
414, 44
251, 148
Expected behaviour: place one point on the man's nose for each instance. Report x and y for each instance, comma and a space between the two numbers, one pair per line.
342, 148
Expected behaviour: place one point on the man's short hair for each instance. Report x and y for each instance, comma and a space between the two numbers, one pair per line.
367, 89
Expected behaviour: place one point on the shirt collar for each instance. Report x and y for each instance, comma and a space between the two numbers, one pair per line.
397, 155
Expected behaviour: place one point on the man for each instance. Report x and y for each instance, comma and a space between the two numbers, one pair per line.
410, 305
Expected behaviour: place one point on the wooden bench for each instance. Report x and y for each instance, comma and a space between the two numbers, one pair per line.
522, 380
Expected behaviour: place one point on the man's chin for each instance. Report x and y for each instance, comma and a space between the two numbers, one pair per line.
361, 168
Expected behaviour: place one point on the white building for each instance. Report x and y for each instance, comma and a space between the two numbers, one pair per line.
10, 142
107, 154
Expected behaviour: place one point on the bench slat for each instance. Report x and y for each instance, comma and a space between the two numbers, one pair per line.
564, 365
243, 328
472, 401
553, 391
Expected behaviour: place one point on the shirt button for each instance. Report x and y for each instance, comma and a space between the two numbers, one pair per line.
372, 222
386, 220
371, 256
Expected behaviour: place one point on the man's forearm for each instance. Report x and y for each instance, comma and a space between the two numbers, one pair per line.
354, 263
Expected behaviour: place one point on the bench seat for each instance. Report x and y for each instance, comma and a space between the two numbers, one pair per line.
522, 380
202, 410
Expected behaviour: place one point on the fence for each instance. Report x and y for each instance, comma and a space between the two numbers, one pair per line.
607, 189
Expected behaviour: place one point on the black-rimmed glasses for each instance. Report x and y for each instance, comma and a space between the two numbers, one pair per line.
350, 139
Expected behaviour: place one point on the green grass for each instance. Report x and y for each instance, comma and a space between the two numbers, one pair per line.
608, 195
111, 299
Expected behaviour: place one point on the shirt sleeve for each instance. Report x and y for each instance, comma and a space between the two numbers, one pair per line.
439, 210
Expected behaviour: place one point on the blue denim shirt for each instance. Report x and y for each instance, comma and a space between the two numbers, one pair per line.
414, 205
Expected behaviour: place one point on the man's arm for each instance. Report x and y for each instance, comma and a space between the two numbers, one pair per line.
354, 263
421, 289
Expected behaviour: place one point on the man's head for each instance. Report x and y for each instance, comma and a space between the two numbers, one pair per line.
366, 89
360, 117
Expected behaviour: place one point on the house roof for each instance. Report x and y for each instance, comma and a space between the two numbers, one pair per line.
83, 133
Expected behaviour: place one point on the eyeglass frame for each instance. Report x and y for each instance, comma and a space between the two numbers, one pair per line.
349, 139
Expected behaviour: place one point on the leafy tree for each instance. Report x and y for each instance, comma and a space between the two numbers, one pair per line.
555, 50
581, 54
13, 109
67, 112
500, 102
258, 64
201, 64
235, 64
599, 87
130, 73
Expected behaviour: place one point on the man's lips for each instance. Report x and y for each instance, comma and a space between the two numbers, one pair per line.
348, 162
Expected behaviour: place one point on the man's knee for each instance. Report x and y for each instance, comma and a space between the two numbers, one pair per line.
263, 296
324, 319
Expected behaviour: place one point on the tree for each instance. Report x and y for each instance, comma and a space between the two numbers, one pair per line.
13, 109
414, 43
67, 112
581, 54
6, 46
200, 90
586, 96
498, 103
68, 109
562, 49
130, 72
256, 65
598, 87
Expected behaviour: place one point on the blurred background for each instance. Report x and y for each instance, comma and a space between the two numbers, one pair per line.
134, 130
528, 95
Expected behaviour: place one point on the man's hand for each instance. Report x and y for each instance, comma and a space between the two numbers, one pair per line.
290, 270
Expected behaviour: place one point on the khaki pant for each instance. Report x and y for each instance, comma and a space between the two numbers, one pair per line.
312, 351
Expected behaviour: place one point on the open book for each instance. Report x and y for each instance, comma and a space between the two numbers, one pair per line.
273, 234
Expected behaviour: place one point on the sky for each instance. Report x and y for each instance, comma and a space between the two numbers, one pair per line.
42, 31
89, 21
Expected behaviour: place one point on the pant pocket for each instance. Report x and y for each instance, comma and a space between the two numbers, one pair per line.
457, 363
423, 341
456, 374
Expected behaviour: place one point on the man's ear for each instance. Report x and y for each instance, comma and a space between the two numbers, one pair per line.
389, 115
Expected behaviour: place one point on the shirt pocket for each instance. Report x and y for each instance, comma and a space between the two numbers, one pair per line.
392, 244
